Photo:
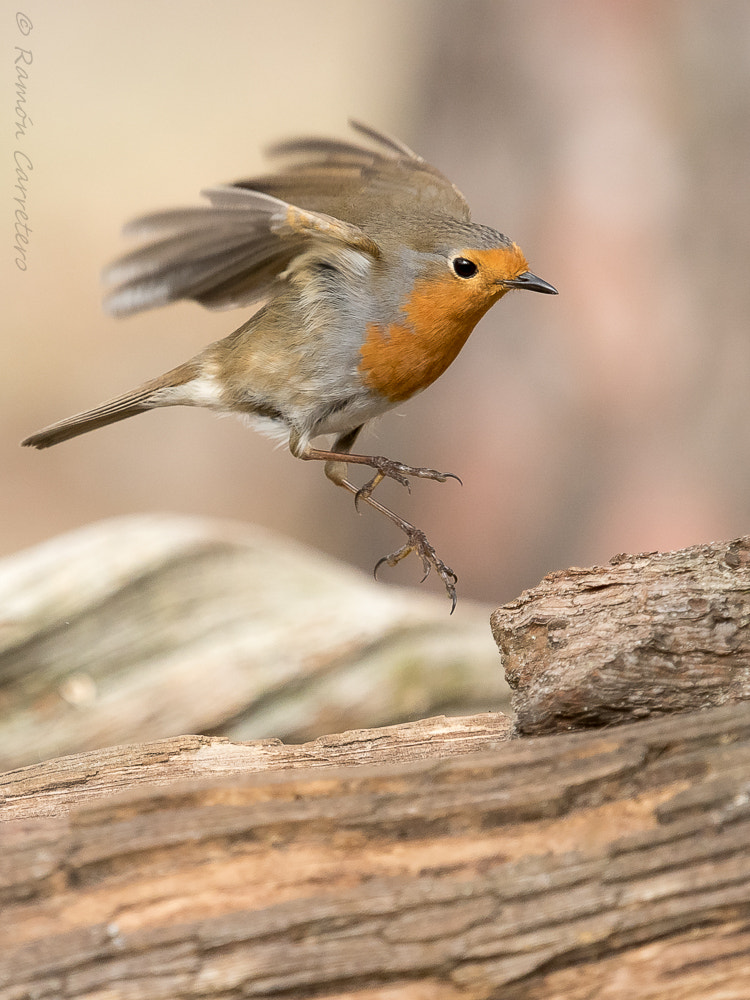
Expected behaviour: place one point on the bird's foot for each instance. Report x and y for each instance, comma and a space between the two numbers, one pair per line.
417, 542
386, 468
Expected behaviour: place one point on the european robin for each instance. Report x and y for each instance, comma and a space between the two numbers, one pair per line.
372, 277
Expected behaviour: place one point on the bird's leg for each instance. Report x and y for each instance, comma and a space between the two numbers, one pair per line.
385, 468
416, 541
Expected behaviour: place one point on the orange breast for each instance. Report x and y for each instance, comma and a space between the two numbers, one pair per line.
402, 358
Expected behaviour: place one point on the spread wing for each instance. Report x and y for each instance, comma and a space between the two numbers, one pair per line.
366, 186
227, 254
233, 251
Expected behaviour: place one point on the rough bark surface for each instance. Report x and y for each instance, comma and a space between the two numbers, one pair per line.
648, 634
57, 786
608, 865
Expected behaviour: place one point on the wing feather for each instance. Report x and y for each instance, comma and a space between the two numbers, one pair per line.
233, 251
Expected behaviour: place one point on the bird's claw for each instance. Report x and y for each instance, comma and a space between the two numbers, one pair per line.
386, 468
417, 542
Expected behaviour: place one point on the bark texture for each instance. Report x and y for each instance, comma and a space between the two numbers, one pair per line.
648, 634
605, 865
56, 787
437, 859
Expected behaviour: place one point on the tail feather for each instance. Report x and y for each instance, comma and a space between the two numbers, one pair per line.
170, 389
80, 423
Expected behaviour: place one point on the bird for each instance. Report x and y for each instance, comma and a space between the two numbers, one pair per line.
365, 275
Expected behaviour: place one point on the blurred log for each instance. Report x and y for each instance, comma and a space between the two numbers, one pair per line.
648, 634
141, 628
610, 865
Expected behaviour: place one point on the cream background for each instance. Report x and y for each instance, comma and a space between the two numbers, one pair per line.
610, 140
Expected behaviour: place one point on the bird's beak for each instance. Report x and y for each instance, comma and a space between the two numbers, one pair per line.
531, 282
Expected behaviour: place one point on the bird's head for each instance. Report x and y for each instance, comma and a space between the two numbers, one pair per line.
466, 268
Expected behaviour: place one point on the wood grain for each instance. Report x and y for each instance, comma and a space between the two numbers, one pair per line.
57, 786
587, 865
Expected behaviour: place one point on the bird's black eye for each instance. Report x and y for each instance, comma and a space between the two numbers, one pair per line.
464, 268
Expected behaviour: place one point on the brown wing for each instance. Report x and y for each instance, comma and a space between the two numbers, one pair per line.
228, 254
365, 185
232, 252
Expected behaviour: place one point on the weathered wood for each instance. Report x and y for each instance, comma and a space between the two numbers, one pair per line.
56, 786
141, 628
648, 634
606, 865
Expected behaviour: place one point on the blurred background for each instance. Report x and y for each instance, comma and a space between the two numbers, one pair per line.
611, 140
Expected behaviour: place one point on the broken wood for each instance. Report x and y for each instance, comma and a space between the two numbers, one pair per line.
647, 635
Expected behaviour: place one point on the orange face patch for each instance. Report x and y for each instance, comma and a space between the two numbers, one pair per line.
405, 357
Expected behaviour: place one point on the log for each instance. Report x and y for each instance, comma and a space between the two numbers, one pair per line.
610, 865
55, 787
647, 635
141, 628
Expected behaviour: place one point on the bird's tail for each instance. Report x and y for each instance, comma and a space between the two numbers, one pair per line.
108, 413
158, 392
